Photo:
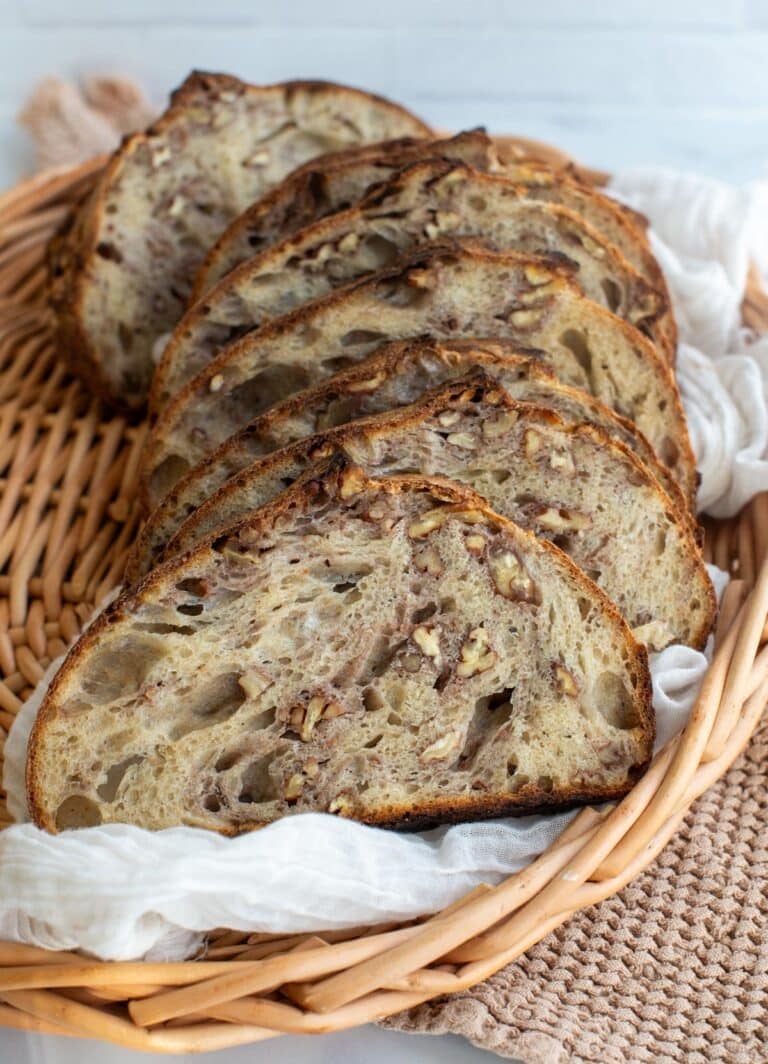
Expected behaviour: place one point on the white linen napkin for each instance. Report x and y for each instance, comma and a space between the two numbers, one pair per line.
120, 892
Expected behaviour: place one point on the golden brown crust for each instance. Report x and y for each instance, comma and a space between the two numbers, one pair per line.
329, 480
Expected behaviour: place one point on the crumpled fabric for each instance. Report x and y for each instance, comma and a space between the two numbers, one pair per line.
705, 234
120, 892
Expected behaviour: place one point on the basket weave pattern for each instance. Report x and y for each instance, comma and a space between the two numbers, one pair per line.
68, 515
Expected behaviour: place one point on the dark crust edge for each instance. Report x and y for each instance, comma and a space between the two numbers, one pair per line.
299, 496
73, 250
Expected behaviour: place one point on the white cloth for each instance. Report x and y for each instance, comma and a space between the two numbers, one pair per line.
120, 892
705, 234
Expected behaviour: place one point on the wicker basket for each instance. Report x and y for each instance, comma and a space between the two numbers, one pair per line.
67, 517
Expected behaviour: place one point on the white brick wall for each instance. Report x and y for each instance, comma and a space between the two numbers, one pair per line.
677, 82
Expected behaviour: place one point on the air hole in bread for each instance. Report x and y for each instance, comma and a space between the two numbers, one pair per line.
669, 452
546, 783
511, 767
402, 294
193, 586
190, 609
228, 760
211, 703
77, 811
362, 336
107, 791
372, 700
614, 701
373, 743
337, 364
383, 252
172, 468
518, 782
162, 628
268, 387
424, 613
121, 669
612, 293
576, 341
257, 785
477, 203
661, 542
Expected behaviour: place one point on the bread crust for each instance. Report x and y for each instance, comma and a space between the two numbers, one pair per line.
331, 481
74, 255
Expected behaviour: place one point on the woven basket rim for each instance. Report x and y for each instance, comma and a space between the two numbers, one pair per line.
67, 518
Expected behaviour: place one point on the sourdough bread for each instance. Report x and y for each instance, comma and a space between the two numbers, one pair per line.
395, 375
329, 183
564, 481
347, 649
122, 276
428, 200
451, 291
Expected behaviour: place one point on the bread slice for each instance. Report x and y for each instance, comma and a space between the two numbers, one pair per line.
122, 276
338, 180
565, 481
448, 291
329, 183
428, 200
395, 375
347, 649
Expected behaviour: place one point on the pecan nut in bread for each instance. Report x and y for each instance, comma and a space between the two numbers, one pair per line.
348, 649
122, 275
567, 482
395, 375
449, 292
329, 183
429, 200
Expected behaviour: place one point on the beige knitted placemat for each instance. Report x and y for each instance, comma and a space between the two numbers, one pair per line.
674, 968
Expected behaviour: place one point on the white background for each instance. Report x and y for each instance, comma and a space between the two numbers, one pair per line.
682, 83
679, 82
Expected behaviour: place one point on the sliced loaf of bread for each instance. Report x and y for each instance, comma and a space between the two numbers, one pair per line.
329, 183
429, 200
448, 291
395, 375
348, 649
565, 481
121, 276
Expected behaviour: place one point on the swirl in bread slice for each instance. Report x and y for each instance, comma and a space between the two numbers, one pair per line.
389, 651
